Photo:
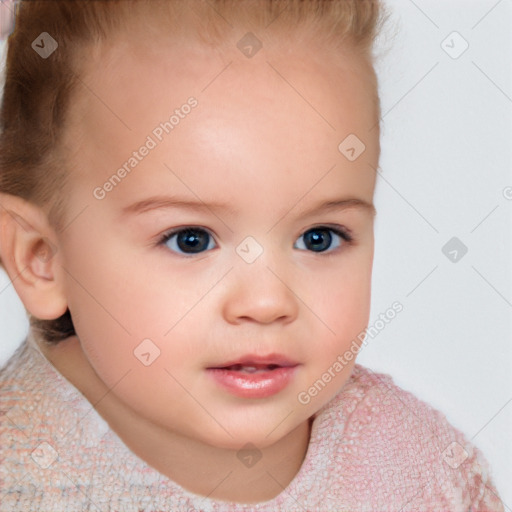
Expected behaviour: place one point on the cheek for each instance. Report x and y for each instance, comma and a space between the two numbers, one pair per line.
117, 304
344, 300
344, 309
106, 311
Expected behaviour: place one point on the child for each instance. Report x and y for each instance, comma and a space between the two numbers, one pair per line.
187, 215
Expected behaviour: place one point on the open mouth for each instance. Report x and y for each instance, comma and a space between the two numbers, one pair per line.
253, 376
252, 363
250, 368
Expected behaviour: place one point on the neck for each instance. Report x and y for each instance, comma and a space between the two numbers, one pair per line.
202, 469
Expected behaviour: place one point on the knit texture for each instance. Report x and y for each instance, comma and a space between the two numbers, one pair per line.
374, 447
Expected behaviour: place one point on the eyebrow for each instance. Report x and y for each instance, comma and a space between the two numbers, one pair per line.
340, 204
160, 202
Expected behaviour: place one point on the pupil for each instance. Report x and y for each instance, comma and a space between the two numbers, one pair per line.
318, 240
192, 241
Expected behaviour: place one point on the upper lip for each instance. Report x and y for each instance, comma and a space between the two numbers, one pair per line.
255, 360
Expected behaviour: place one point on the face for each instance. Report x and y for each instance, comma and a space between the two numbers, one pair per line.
222, 273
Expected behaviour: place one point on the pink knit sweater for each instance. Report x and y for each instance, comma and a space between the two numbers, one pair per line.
374, 447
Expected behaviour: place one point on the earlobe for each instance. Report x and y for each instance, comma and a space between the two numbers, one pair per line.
29, 253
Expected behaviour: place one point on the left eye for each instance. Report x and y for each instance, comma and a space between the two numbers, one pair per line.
189, 241
321, 239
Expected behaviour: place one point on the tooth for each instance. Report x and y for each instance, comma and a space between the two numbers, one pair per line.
250, 369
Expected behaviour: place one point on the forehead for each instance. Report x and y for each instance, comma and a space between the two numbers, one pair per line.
271, 119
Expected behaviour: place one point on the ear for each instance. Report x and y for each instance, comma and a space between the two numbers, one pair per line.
29, 253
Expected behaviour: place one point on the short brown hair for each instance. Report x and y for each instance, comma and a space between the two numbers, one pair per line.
38, 92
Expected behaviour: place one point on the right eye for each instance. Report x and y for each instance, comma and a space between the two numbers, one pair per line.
188, 241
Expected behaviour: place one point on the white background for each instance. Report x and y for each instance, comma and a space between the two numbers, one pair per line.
446, 161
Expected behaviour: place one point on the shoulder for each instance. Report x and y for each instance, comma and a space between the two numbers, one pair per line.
28, 382
20, 405
58, 454
393, 442
44, 423
19, 381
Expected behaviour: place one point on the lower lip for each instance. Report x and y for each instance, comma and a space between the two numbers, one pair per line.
253, 385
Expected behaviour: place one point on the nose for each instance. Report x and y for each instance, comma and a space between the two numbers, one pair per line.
259, 294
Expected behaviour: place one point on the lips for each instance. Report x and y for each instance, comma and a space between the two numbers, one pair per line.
254, 363
254, 376
250, 368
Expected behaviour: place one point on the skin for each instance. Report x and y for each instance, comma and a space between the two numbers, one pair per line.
270, 152
6, 18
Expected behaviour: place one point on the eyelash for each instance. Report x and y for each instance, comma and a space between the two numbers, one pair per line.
343, 233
